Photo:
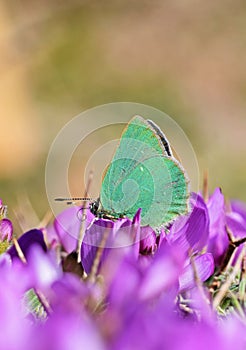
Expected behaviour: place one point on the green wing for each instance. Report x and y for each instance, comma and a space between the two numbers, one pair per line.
141, 175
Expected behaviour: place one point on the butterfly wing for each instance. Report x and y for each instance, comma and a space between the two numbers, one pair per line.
143, 175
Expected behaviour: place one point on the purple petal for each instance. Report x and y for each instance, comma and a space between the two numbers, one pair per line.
92, 241
191, 232
5, 260
216, 210
118, 268
102, 229
239, 207
218, 239
13, 327
26, 241
14, 275
236, 224
148, 240
68, 225
52, 237
42, 268
162, 273
66, 294
6, 230
105, 234
63, 331
204, 265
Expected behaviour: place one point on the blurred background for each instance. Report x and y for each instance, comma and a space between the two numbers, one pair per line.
186, 58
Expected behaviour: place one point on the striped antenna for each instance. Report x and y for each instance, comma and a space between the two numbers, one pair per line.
73, 199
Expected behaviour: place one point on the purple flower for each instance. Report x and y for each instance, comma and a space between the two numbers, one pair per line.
160, 327
6, 226
104, 235
189, 234
168, 270
6, 230
141, 281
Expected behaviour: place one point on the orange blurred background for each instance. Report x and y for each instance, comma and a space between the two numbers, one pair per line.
186, 58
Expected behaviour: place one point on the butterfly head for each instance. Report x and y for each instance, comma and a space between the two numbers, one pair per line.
95, 207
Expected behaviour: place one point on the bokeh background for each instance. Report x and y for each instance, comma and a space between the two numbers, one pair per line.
59, 58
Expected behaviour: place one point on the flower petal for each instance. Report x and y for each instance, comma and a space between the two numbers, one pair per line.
68, 224
218, 239
148, 240
6, 230
26, 241
162, 274
106, 234
191, 232
204, 265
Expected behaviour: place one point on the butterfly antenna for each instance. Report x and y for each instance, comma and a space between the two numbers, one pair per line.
73, 199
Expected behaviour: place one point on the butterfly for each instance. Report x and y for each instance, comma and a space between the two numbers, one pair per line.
143, 173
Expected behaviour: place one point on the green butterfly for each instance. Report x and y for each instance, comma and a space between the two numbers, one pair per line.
143, 174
